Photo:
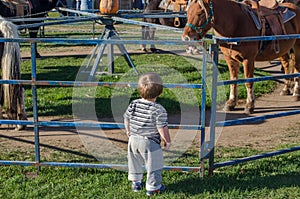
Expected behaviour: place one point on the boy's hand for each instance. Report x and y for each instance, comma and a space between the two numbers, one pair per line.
167, 145
127, 133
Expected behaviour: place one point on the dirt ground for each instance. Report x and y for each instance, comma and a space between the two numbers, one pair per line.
265, 135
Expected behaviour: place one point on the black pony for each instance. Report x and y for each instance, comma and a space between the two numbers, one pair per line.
29, 9
148, 33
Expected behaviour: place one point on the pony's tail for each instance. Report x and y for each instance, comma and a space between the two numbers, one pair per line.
12, 94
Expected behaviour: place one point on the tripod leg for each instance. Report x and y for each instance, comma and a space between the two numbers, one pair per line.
110, 59
102, 36
124, 51
127, 57
99, 56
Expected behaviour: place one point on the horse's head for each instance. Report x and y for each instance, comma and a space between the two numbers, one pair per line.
199, 20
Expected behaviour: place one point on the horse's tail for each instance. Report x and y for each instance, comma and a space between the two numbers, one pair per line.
12, 94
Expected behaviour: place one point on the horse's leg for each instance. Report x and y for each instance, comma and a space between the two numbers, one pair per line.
286, 62
234, 70
296, 94
249, 73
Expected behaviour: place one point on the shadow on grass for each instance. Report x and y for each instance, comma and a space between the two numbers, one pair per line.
223, 183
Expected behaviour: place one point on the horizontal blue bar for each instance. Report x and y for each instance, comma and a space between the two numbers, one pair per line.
256, 157
74, 20
257, 79
100, 41
87, 84
17, 122
90, 165
256, 118
256, 38
125, 84
90, 124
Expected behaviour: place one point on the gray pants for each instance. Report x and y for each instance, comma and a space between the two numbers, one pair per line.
142, 150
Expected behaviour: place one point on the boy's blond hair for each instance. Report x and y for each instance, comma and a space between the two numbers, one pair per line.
150, 85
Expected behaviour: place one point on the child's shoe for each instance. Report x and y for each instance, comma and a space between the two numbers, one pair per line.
136, 186
160, 190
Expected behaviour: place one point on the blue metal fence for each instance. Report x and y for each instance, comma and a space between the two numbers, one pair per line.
216, 83
37, 124
213, 123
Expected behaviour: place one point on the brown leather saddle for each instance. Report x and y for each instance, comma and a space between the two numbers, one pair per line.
174, 6
269, 17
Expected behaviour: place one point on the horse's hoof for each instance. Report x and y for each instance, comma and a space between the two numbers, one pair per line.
284, 93
248, 110
20, 127
228, 108
144, 49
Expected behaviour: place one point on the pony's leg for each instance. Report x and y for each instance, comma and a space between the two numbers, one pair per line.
287, 63
234, 70
33, 32
21, 109
151, 37
249, 73
145, 33
1, 114
296, 95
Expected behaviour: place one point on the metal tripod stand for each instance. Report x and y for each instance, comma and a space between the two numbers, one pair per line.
109, 32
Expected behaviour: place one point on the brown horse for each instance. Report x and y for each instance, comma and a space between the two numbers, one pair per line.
230, 19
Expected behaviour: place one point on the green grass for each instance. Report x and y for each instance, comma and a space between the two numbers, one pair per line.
275, 177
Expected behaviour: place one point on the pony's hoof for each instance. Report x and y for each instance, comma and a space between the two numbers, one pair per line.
189, 51
248, 110
154, 50
196, 51
284, 93
38, 55
144, 49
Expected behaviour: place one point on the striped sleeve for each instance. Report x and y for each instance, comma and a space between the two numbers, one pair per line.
162, 117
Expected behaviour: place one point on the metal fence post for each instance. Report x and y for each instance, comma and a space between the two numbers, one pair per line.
203, 109
215, 54
34, 103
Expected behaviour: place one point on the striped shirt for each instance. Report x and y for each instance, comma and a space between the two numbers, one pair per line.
145, 117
